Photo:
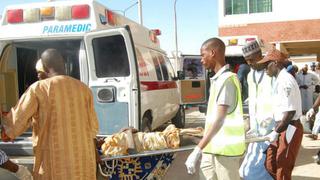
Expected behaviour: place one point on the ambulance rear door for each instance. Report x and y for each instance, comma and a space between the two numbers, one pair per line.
113, 78
193, 84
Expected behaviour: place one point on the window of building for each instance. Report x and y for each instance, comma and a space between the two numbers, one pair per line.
257, 6
247, 6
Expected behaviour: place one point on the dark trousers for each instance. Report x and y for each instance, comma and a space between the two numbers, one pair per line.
281, 156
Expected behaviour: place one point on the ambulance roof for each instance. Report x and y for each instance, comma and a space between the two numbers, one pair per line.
66, 19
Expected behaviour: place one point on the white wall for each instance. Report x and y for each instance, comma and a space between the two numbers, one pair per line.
282, 10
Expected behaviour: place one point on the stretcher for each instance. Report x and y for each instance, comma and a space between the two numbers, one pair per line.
148, 164
145, 165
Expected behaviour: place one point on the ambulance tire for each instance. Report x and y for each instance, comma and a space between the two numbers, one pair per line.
180, 119
146, 123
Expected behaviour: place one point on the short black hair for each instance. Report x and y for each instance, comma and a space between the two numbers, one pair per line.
52, 58
215, 43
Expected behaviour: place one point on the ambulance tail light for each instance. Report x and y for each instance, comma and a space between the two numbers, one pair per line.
80, 11
31, 15
106, 95
110, 17
15, 16
63, 13
156, 32
47, 13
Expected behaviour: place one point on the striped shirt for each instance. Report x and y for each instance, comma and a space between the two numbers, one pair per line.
3, 157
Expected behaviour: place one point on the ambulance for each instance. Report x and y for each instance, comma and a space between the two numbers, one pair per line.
131, 78
234, 46
192, 80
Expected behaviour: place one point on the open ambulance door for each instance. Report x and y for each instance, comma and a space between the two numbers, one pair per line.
193, 83
113, 78
8, 78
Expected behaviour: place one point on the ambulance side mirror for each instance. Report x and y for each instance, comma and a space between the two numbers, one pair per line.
181, 75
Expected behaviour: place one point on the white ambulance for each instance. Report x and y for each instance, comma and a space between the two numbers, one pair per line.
234, 46
131, 78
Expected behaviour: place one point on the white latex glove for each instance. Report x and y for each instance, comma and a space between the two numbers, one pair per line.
310, 113
192, 160
273, 136
23, 173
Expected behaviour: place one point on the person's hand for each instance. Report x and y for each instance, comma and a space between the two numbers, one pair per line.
310, 113
192, 160
23, 173
273, 136
4, 136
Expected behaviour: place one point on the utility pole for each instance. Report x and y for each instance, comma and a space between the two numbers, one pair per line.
140, 11
176, 33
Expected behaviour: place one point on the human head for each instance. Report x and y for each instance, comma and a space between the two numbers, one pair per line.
252, 54
318, 66
40, 70
313, 66
277, 61
212, 53
53, 62
192, 72
295, 68
305, 69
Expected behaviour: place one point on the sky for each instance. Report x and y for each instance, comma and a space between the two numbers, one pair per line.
197, 20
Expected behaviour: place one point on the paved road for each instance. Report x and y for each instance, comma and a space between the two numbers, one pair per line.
305, 168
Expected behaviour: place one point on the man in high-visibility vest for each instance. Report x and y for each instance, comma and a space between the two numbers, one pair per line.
287, 135
260, 112
223, 142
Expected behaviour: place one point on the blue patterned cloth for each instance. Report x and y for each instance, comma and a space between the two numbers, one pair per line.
146, 167
3, 157
252, 167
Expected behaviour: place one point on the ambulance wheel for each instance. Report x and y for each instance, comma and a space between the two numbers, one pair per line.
146, 123
180, 119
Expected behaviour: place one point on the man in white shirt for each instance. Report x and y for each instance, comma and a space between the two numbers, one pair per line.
307, 81
287, 135
223, 142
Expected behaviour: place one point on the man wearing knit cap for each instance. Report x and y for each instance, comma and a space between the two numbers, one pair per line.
286, 138
260, 112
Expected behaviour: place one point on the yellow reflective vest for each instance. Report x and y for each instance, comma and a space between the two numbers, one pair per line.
260, 102
230, 139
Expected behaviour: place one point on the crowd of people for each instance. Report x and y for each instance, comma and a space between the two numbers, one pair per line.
61, 112
274, 109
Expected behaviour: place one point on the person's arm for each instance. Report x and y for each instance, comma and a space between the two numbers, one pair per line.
283, 124
316, 104
19, 118
216, 126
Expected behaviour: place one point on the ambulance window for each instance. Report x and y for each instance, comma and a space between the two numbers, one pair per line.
157, 66
111, 57
170, 69
164, 68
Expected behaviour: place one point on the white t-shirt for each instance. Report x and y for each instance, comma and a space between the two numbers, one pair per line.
286, 96
228, 93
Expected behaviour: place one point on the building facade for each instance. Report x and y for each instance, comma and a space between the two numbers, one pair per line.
291, 25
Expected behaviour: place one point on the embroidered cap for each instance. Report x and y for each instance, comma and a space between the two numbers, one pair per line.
250, 48
39, 66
